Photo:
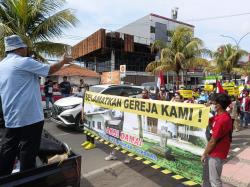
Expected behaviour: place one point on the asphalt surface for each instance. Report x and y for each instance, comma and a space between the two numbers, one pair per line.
96, 172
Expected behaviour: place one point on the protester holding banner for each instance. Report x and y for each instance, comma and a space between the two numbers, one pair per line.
190, 100
218, 146
90, 141
154, 93
113, 153
163, 94
177, 98
145, 94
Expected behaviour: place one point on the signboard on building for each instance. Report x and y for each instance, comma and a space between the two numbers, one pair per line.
122, 71
110, 77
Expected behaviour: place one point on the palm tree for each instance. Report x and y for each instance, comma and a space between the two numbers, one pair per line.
183, 52
157, 46
36, 22
226, 60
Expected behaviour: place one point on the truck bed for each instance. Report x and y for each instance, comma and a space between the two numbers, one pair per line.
65, 174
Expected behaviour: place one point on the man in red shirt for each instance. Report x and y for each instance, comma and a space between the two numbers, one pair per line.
218, 146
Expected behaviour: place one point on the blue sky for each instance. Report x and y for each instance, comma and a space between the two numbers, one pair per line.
113, 14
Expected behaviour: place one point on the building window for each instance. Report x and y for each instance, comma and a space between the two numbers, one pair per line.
93, 124
99, 125
152, 29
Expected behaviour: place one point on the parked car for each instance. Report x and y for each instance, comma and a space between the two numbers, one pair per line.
67, 111
148, 85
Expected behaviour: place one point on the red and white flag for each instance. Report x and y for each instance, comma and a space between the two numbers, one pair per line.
219, 88
160, 81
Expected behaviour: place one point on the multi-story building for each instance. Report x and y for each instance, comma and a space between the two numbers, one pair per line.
105, 51
152, 27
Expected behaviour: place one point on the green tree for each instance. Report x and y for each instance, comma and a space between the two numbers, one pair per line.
225, 60
157, 46
183, 52
36, 22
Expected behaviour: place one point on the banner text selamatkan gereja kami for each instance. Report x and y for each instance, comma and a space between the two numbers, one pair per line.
183, 113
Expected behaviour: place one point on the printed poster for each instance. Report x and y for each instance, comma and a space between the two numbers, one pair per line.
169, 134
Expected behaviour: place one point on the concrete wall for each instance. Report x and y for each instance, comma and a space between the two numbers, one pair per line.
140, 27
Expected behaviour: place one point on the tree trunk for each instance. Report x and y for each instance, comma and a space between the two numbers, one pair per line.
177, 81
139, 118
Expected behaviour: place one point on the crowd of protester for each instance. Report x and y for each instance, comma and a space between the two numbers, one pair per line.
239, 108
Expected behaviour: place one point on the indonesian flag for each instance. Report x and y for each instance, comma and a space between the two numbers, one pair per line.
219, 88
160, 81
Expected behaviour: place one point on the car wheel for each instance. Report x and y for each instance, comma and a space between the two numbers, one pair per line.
79, 125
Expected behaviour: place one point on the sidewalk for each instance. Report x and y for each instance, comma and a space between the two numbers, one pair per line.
237, 169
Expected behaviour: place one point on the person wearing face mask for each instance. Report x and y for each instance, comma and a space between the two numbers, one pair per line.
163, 94
145, 94
154, 93
203, 97
218, 146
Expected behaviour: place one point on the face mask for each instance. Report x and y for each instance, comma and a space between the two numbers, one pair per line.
213, 108
152, 91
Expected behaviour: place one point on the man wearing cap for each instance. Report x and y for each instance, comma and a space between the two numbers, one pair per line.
21, 103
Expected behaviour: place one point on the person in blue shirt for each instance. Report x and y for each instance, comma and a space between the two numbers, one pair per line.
21, 104
203, 98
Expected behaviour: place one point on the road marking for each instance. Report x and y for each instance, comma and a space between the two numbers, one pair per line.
131, 154
155, 166
138, 158
99, 170
124, 151
117, 148
177, 177
166, 171
189, 183
146, 162
62, 134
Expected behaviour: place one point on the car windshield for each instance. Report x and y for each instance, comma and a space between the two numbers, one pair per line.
78, 95
96, 89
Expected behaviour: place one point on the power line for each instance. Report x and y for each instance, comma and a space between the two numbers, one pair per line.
218, 17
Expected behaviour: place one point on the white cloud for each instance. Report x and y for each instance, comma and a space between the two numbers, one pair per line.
112, 14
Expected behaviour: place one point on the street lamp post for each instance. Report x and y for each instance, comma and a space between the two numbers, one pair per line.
236, 42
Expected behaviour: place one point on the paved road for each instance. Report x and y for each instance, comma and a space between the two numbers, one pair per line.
98, 172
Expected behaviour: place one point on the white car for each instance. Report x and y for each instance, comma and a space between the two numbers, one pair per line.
67, 111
